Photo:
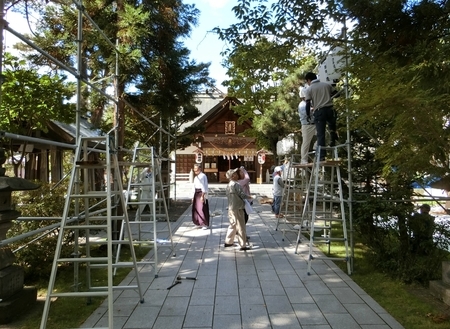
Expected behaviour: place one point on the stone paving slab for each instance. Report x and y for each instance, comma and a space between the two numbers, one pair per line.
267, 287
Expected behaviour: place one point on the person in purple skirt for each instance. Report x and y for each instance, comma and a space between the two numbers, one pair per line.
200, 206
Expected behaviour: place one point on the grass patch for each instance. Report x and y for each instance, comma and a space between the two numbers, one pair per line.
71, 312
411, 305
411, 310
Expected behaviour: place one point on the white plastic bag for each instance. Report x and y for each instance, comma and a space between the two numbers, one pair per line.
248, 207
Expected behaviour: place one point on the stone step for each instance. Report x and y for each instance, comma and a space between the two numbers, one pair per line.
441, 290
446, 272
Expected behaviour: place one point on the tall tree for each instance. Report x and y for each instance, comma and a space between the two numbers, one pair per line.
396, 85
399, 108
258, 74
155, 74
264, 50
397, 48
169, 80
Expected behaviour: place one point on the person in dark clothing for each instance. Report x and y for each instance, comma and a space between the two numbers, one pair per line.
422, 228
319, 96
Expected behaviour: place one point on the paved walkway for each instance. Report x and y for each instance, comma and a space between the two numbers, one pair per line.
267, 287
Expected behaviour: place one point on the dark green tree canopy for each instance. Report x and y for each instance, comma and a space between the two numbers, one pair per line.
155, 74
31, 99
398, 70
397, 107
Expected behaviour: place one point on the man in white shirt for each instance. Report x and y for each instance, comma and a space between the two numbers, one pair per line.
308, 127
145, 193
277, 189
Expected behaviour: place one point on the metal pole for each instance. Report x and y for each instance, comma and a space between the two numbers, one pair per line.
175, 162
79, 73
80, 8
349, 155
116, 95
168, 138
169, 162
44, 141
2, 25
76, 247
160, 136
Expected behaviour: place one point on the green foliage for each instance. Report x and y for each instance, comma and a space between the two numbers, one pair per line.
36, 252
267, 77
71, 312
392, 72
398, 112
397, 49
411, 305
291, 23
31, 99
386, 228
412, 310
156, 75
382, 212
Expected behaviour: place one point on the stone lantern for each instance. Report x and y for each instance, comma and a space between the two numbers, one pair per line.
14, 298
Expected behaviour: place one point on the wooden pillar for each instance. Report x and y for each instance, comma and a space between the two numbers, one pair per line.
43, 167
55, 164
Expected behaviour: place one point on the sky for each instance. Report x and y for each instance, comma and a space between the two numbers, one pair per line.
205, 46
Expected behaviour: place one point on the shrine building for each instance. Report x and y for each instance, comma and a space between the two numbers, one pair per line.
221, 143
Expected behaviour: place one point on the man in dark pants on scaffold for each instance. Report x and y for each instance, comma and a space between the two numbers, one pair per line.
318, 96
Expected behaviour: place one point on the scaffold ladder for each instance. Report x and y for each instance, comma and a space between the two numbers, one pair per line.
295, 185
145, 178
97, 202
327, 213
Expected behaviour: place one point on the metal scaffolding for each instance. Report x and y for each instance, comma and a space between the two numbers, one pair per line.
75, 73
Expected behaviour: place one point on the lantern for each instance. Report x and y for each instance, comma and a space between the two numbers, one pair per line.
261, 158
199, 158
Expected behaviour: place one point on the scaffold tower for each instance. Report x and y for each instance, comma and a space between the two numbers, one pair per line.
146, 183
324, 209
88, 215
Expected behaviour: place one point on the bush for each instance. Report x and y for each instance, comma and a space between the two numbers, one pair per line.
36, 252
384, 227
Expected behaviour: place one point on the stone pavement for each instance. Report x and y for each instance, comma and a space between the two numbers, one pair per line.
267, 287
